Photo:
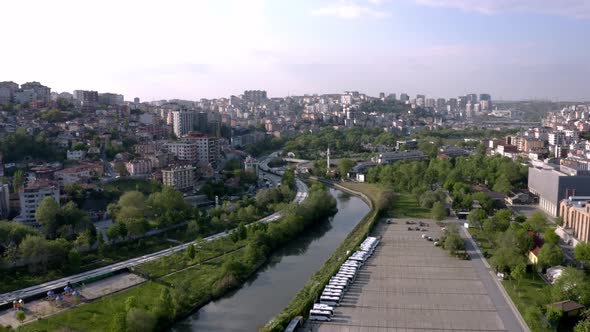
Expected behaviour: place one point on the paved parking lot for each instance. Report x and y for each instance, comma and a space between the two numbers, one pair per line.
411, 285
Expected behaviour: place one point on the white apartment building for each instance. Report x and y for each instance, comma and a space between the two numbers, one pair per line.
556, 138
182, 122
186, 151
207, 147
139, 167
32, 195
181, 178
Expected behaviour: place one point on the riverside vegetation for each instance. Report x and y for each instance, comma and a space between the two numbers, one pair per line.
186, 281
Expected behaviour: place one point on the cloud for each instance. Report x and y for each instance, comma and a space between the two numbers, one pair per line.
570, 8
351, 10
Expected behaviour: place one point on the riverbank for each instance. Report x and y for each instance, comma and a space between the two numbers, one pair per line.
379, 200
287, 270
185, 291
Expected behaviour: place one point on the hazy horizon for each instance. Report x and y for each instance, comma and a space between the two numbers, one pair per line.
511, 49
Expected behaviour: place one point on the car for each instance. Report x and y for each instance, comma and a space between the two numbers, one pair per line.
423, 236
410, 229
388, 221
429, 238
407, 223
437, 244
417, 228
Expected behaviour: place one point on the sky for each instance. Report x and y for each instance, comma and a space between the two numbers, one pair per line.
192, 49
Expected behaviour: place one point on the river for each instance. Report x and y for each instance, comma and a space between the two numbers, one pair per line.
266, 293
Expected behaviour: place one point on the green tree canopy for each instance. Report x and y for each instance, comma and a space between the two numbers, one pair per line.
47, 214
550, 255
438, 211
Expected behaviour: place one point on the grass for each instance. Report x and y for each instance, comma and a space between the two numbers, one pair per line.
371, 190
405, 205
96, 316
530, 292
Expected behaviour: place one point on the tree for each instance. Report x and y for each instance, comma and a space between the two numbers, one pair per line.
583, 326
550, 255
537, 222
21, 316
453, 243
140, 321
36, 250
344, 166
46, 215
74, 259
572, 285
518, 273
113, 232
438, 211
165, 308
553, 315
550, 236
582, 253
506, 258
503, 184
190, 251
534, 318
476, 216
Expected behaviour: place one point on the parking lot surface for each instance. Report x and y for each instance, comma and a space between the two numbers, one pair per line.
411, 285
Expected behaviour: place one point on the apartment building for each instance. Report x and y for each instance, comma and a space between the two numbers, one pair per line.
32, 195
575, 211
207, 147
185, 151
139, 167
181, 178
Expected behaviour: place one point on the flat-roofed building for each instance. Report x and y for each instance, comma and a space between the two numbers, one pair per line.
392, 157
31, 196
554, 183
181, 178
575, 211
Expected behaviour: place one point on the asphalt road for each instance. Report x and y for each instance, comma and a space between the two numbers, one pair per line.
7, 298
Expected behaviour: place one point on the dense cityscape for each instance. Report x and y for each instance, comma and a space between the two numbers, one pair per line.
95, 186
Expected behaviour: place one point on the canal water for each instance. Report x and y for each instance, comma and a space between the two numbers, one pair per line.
271, 289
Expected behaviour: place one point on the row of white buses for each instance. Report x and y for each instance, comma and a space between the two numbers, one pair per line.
336, 287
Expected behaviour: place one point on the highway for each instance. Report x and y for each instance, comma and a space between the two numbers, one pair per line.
24, 293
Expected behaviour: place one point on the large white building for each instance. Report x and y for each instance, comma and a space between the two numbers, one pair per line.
7, 90
139, 167
41, 92
186, 151
181, 178
32, 195
207, 147
182, 122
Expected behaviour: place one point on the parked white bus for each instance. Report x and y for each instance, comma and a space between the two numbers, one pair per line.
320, 315
330, 300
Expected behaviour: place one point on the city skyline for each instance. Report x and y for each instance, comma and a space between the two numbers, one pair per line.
441, 48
